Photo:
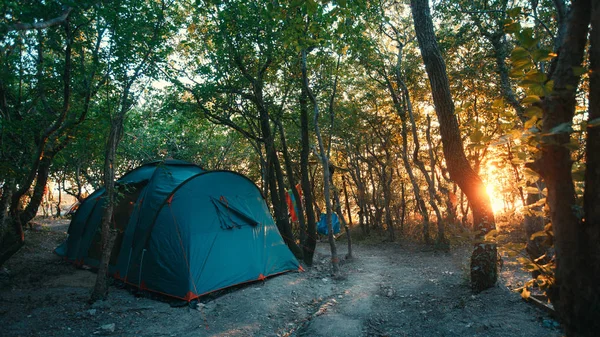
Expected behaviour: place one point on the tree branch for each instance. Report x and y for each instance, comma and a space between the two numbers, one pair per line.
19, 26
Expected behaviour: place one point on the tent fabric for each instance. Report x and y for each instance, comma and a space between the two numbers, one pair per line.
183, 231
291, 202
322, 224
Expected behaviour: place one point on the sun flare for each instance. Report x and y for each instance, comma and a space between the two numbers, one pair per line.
495, 198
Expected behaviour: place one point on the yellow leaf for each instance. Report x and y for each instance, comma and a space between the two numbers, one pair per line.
525, 294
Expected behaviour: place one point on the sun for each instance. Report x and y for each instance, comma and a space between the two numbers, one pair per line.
495, 197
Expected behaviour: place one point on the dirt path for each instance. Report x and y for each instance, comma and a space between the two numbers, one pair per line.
388, 290
403, 291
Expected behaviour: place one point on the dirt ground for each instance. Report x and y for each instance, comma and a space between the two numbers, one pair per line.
388, 289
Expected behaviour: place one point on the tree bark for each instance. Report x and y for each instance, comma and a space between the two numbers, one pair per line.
347, 200
576, 292
484, 258
108, 234
292, 182
325, 162
311, 225
338, 209
441, 241
281, 212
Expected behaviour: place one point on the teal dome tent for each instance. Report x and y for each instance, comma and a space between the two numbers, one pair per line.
182, 231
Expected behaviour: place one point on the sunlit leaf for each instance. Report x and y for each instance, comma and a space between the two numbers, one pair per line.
534, 77
519, 53
525, 294
542, 55
593, 123
476, 136
578, 173
522, 63
531, 99
537, 235
531, 190
491, 235
531, 122
498, 103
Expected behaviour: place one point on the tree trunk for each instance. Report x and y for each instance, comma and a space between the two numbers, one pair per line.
338, 209
360, 194
284, 219
415, 184
311, 225
484, 258
325, 162
441, 241
347, 200
403, 206
108, 234
576, 293
292, 182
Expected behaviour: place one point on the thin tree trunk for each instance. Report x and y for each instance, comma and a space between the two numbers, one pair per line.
59, 201
484, 271
280, 206
108, 234
347, 200
292, 182
338, 209
311, 225
415, 185
403, 208
441, 241
325, 162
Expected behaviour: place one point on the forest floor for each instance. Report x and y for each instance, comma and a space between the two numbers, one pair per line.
388, 289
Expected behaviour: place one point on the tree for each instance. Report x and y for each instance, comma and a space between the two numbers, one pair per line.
50, 74
138, 44
576, 293
484, 257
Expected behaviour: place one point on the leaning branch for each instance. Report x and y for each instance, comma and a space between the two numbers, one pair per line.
19, 26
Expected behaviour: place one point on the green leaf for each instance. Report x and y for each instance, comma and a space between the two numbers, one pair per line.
534, 77
476, 137
519, 53
527, 39
311, 6
593, 123
514, 12
542, 55
522, 63
530, 122
498, 103
513, 27
531, 99
573, 145
562, 128
578, 71
491, 235
549, 87
533, 111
